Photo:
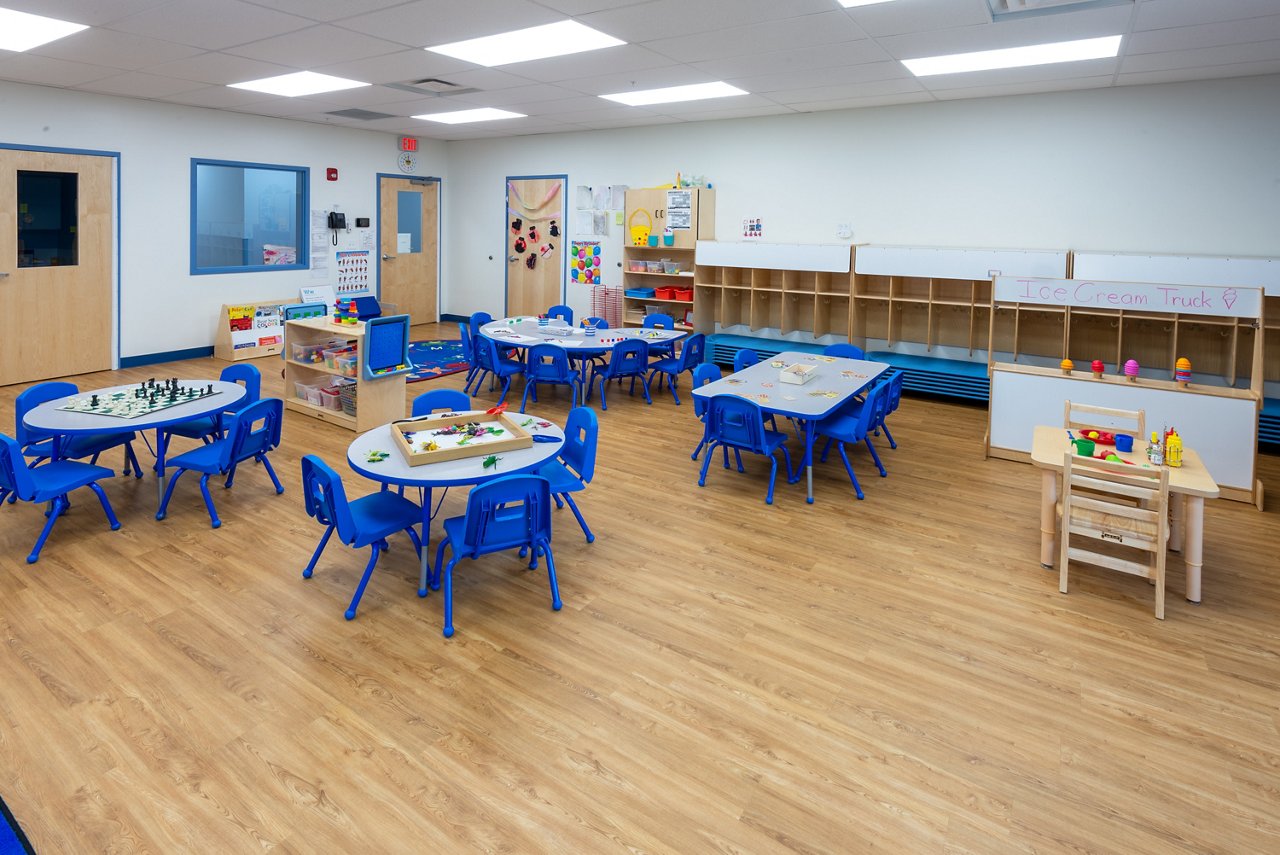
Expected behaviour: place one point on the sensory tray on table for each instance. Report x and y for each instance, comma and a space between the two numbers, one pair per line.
449, 436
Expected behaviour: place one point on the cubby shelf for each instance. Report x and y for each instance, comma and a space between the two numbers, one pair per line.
648, 208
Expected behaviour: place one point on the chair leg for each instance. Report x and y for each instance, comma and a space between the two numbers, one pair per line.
315, 556
875, 457
737, 455
168, 493
826, 449
435, 569
364, 580
524, 399
706, 462
208, 501
266, 464
573, 506
59, 506
857, 488
106, 506
551, 574
773, 477
448, 597
888, 435
506, 384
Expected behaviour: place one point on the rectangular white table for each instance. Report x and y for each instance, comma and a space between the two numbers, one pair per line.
834, 382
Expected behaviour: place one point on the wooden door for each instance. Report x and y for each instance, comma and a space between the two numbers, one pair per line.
56, 254
409, 227
535, 230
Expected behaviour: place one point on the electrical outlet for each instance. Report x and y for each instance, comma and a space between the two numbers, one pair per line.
844, 231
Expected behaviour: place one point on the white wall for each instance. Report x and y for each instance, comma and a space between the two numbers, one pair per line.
1188, 168
164, 308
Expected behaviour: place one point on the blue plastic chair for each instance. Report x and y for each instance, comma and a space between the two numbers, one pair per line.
893, 397
627, 358
847, 351
581, 359
49, 483
468, 352
564, 313
209, 428
575, 466
252, 434
496, 364
441, 399
659, 321
549, 363
673, 366
368, 521
743, 358
479, 363
854, 424
737, 423
40, 444
707, 372
512, 512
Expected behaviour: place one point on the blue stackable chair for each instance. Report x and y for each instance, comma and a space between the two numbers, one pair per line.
575, 466
368, 521
209, 428
582, 359
40, 444
673, 366
737, 423
549, 363
242, 441
893, 397
441, 399
49, 483
854, 424
512, 512
707, 372
496, 364
659, 321
564, 313
847, 351
744, 357
468, 352
479, 365
627, 358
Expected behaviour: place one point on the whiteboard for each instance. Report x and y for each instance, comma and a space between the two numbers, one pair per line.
1222, 430
1138, 296
823, 257
1180, 269
945, 263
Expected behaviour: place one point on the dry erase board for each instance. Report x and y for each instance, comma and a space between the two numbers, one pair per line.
386, 345
1261, 273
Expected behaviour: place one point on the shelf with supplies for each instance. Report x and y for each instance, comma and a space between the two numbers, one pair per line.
249, 330
326, 367
656, 273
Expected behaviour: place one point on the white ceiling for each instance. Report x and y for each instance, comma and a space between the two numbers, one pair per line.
792, 56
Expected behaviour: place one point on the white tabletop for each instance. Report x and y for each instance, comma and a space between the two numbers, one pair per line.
835, 380
49, 417
464, 470
523, 332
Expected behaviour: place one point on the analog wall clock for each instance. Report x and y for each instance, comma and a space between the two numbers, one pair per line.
408, 161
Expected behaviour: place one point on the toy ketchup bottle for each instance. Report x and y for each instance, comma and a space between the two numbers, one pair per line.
1173, 449
1154, 453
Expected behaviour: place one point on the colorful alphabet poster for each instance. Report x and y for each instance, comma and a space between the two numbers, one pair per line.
353, 272
584, 262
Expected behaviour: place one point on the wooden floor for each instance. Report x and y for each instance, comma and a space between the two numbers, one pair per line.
896, 674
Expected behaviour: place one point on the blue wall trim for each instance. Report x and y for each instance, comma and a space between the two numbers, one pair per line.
456, 319
165, 356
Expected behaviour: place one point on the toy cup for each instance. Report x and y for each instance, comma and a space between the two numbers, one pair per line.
1084, 447
653, 240
1124, 442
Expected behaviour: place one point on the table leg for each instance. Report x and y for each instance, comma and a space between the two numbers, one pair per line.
1193, 546
426, 530
808, 455
1177, 521
161, 441
1048, 516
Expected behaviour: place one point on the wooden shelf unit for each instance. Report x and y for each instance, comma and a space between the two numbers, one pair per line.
378, 401
649, 207
250, 329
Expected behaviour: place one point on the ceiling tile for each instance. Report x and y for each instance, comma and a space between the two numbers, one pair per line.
210, 25
135, 84
585, 7
1183, 13
1021, 76
320, 44
622, 58
221, 68
868, 101
435, 23
668, 18
1178, 75
1027, 88
95, 13
1092, 23
117, 50
798, 97
1209, 56
653, 78
846, 74
327, 10
1205, 35
217, 97
891, 19
412, 64
799, 32
793, 60
47, 71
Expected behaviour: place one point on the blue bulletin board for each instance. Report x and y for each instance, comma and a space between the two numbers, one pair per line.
386, 344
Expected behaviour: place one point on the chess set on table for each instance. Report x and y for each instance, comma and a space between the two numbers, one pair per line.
148, 397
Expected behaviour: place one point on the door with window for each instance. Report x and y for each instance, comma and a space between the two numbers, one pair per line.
409, 224
535, 255
56, 252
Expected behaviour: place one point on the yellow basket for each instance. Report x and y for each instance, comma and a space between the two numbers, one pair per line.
640, 234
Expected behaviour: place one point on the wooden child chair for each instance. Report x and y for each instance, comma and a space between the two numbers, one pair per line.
1078, 418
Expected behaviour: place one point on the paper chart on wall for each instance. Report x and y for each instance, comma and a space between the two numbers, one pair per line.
353, 272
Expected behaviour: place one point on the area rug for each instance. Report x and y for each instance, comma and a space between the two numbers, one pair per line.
432, 359
12, 840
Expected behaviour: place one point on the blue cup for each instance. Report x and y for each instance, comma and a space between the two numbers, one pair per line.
1124, 442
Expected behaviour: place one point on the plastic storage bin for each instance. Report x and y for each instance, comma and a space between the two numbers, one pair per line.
330, 398
331, 354
637, 267
685, 294
665, 293
346, 364
308, 353
639, 292
305, 391
654, 266
671, 267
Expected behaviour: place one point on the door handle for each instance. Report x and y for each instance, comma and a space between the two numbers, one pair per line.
4, 274
511, 259
386, 257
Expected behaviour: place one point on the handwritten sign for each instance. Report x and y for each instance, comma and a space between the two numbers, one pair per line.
1131, 296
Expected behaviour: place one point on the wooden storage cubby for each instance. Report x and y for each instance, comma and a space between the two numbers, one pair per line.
250, 329
378, 401
649, 206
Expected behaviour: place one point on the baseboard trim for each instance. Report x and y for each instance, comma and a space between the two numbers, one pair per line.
165, 356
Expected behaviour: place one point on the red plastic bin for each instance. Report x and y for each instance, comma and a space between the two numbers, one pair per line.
665, 293
685, 294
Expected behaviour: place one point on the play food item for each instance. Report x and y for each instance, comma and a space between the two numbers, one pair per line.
1182, 370
1084, 447
1173, 450
1067, 365
1131, 370
1097, 367
1124, 442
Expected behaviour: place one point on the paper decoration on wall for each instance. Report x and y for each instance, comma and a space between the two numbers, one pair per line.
353, 272
272, 254
584, 262
752, 228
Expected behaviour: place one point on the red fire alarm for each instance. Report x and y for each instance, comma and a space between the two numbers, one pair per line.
331, 174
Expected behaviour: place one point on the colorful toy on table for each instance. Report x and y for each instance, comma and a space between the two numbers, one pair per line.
1067, 366
1097, 367
1131, 370
345, 312
1182, 371
1172, 449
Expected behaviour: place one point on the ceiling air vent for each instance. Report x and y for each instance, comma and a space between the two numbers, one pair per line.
1007, 9
431, 86
361, 115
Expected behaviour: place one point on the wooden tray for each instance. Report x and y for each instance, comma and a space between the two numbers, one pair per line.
411, 434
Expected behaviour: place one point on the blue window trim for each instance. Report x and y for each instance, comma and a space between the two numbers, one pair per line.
304, 208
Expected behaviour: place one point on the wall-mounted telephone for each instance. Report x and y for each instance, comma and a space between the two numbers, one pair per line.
337, 222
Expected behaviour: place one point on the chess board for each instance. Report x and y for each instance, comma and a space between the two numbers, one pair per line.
140, 400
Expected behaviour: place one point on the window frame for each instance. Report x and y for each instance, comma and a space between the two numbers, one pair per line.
303, 261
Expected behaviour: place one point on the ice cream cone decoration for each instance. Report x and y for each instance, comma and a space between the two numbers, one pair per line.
1131, 370
1182, 371
1097, 367
1066, 366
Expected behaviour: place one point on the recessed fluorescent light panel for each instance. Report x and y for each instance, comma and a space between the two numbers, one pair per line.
848, 4
557, 39
299, 83
671, 94
21, 31
481, 114
986, 60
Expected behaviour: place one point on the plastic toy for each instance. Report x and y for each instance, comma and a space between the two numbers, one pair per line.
1097, 367
1067, 365
491, 461
1182, 371
1131, 370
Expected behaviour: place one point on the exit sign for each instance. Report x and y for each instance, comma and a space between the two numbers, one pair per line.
408, 144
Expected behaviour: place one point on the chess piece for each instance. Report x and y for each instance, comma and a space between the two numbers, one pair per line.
93, 402
209, 391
